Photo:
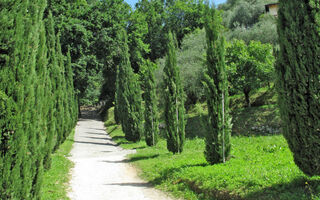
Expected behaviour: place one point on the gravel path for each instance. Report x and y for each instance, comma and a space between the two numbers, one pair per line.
101, 171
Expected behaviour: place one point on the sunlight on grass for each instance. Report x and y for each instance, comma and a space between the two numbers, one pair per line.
260, 167
56, 179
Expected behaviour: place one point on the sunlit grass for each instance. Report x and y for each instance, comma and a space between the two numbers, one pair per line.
259, 168
56, 179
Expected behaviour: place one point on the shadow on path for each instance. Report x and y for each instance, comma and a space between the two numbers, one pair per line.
96, 133
96, 143
146, 185
116, 161
97, 138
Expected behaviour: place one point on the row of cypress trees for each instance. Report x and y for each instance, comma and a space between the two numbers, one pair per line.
37, 100
128, 102
298, 85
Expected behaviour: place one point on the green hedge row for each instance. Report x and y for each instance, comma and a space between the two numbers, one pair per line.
37, 100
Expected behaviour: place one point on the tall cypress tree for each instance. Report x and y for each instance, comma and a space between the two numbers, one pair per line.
151, 128
174, 107
22, 166
72, 100
51, 138
117, 99
298, 70
129, 95
12, 135
219, 121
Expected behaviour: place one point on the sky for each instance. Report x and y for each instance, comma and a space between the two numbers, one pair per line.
133, 2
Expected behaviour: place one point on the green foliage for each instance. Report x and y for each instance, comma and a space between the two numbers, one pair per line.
137, 31
265, 31
33, 98
263, 170
298, 81
183, 17
89, 30
246, 14
245, 20
151, 128
191, 59
249, 66
174, 101
129, 108
156, 37
219, 121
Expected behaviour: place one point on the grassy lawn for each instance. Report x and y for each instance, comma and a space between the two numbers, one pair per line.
55, 180
260, 167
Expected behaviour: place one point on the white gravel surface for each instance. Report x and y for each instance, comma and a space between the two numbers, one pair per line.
100, 169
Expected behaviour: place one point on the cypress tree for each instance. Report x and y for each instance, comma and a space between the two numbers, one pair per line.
174, 107
73, 108
117, 99
64, 112
40, 107
12, 135
20, 135
150, 112
59, 94
219, 121
298, 70
129, 96
51, 138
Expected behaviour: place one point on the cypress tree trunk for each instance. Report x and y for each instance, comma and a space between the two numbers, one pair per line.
174, 107
150, 111
219, 124
298, 70
129, 96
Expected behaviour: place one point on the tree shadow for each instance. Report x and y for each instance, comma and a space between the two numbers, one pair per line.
96, 133
195, 127
299, 188
106, 151
137, 158
164, 175
113, 129
144, 185
98, 129
256, 121
134, 159
118, 137
116, 161
96, 143
142, 147
96, 138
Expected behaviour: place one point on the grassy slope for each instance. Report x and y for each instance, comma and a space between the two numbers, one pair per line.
55, 184
261, 165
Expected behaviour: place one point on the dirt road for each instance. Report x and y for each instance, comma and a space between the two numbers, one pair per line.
101, 171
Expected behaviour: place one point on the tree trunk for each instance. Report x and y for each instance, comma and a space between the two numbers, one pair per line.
247, 97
